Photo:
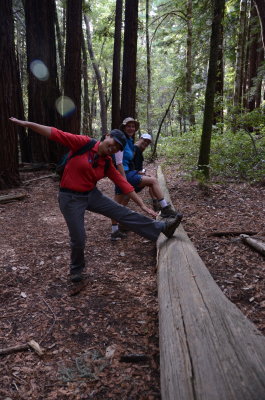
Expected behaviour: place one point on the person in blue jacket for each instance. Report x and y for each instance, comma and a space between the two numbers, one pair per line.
125, 165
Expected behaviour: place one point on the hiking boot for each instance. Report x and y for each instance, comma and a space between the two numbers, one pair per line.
171, 225
123, 228
168, 211
117, 235
76, 277
156, 205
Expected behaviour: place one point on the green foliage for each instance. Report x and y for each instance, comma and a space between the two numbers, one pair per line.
247, 121
239, 155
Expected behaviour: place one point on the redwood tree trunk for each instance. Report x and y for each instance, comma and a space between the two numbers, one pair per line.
128, 95
148, 70
253, 58
189, 79
219, 89
116, 69
43, 89
101, 91
10, 104
240, 56
87, 118
72, 71
204, 156
260, 4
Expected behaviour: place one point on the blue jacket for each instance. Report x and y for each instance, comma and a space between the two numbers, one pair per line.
128, 154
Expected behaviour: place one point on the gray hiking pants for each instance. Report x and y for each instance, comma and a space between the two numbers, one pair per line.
73, 206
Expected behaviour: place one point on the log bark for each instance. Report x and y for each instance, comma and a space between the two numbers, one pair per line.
208, 349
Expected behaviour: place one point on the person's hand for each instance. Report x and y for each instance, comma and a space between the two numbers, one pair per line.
149, 211
18, 121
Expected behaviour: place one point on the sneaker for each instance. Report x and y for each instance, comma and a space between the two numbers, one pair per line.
168, 211
171, 225
117, 235
77, 277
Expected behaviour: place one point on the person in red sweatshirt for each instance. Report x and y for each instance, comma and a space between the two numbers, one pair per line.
78, 191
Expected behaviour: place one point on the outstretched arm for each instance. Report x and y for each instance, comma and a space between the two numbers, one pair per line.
137, 199
41, 129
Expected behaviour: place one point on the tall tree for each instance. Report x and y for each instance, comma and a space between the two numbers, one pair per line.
72, 69
260, 4
60, 44
205, 146
10, 104
116, 68
240, 54
20, 48
219, 89
148, 69
43, 89
189, 65
128, 95
253, 59
87, 117
101, 91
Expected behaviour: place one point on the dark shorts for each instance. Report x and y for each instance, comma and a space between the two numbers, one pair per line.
134, 179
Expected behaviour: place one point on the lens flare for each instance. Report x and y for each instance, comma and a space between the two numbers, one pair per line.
39, 70
65, 106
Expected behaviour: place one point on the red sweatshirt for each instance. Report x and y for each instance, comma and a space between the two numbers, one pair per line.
79, 174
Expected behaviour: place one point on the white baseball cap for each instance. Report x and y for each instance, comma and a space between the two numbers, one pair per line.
146, 136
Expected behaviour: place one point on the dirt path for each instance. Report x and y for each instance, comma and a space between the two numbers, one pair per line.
116, 312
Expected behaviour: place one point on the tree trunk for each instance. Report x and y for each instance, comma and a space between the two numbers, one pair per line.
72, 71
22, 68
101, 92
260, 60
219, 89
60, 46
260, 4
253, 55
128, 95
116, 69
10, 104
204, 156
43, 87
240, 56
255, 59
148, 70
161, 124
87, 118
189, 79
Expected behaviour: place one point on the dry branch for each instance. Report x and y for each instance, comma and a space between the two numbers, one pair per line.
39, 178
22, 347
10, 197
257, 245
231, 233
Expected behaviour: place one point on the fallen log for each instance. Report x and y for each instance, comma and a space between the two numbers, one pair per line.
11, 197
257, 245
208, 349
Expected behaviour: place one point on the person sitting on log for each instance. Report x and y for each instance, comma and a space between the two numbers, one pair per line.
125, 164
78, 191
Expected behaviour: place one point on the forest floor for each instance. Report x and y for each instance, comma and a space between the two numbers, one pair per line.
101, 340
